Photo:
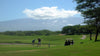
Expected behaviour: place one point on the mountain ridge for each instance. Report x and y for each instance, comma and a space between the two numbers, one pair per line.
29, 24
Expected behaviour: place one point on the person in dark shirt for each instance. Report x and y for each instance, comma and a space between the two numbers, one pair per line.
33, 42
39, 42
66, 43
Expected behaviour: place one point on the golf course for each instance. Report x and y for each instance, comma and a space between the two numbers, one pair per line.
22, 46
49, 27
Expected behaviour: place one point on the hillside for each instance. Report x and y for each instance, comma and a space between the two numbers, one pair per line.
29, 24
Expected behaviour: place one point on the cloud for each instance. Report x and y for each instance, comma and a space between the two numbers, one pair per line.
70, 24
49, 13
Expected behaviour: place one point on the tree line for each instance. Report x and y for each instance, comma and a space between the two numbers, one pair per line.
75, 30
79, 30
31, 33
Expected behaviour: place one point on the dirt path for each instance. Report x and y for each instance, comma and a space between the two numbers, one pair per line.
83, 37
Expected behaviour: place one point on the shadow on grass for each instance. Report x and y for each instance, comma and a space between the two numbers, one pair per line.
98, 41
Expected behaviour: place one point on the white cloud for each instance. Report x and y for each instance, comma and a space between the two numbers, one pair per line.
70, 24
49, 13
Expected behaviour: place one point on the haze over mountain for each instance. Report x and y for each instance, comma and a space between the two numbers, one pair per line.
38, 15
29, 24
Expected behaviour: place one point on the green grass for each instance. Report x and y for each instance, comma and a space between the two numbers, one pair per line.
88, 48
53, 39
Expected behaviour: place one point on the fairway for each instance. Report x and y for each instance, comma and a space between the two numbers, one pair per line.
52, 39
57, 48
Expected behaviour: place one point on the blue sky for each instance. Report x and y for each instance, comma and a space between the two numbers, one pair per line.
13, 9
47, 14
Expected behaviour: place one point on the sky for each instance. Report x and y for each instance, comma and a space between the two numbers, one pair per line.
37, 9
47, 14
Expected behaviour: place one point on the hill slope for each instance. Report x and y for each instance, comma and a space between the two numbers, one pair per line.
33, 24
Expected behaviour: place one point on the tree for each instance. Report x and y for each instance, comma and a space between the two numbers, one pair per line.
76, 29
90, 27
83, 29
68, 30
90, 10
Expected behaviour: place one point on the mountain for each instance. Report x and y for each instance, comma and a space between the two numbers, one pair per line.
29, 24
